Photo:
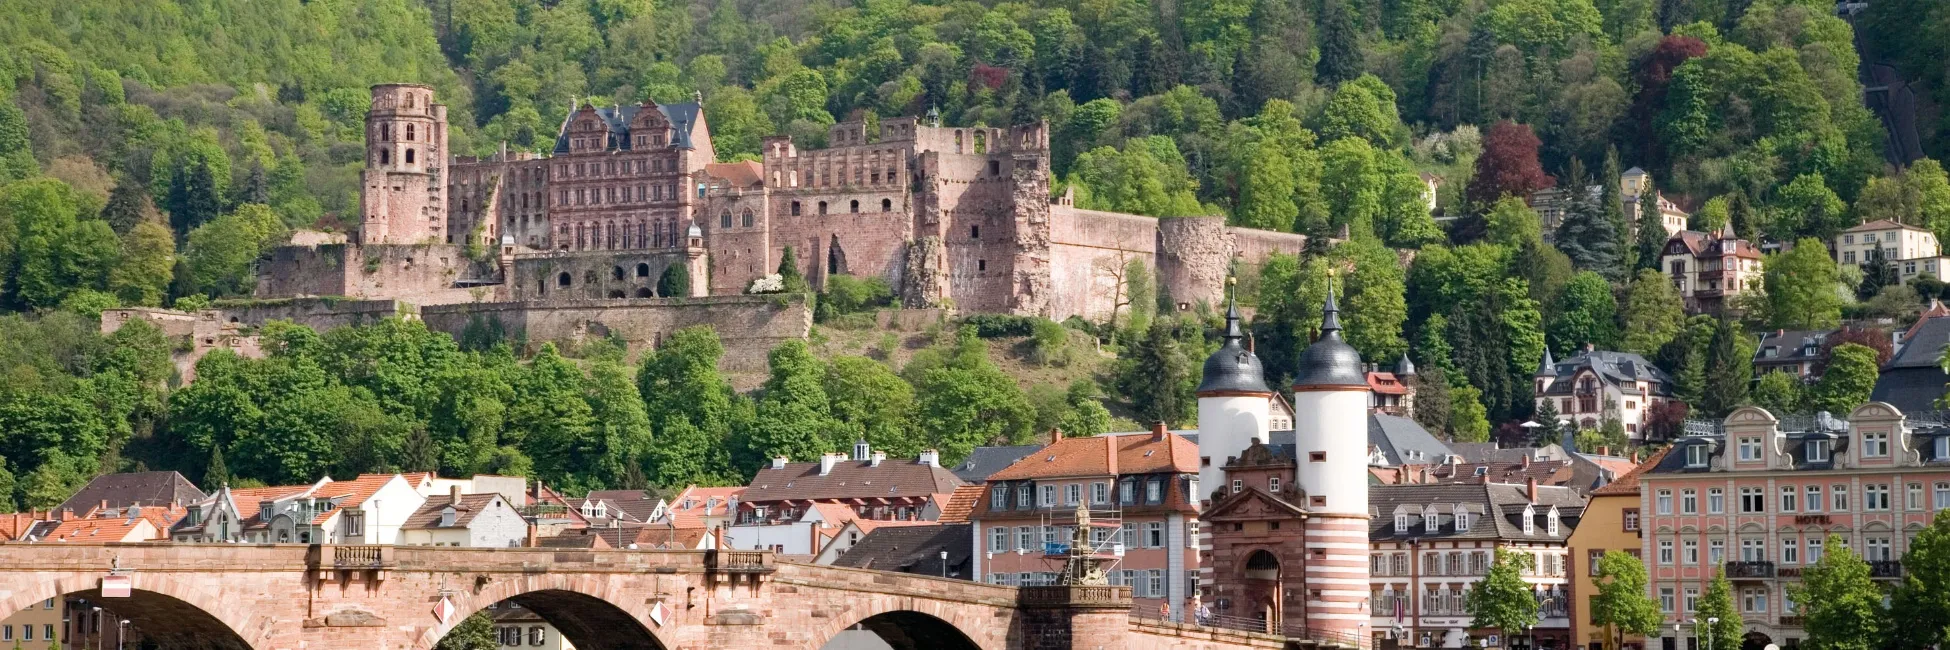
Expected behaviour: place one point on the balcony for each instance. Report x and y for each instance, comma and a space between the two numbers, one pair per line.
1886, 569
1750, 570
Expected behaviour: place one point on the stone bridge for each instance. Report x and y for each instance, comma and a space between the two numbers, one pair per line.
292, 597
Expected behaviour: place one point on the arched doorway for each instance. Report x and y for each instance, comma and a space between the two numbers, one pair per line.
900, 630
1262, 589
536, 618
1755, 640
143, 620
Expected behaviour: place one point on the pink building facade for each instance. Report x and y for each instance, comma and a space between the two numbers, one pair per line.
1761, 497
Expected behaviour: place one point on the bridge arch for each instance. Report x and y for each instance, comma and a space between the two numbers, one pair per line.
908, 624
167, 608
592, 611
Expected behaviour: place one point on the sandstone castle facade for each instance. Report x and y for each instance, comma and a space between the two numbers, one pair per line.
951, 217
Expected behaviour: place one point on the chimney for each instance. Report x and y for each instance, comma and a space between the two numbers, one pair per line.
1526, 461
1055, 434
1635, 456
1589, 347
876, 459
1604, 451
453, 492
778, 462
930, 458
534, 534
826, 462
1531, 489
1158, 431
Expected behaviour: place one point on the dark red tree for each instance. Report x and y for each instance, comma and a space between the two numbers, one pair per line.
1665, 421
1508, 165
1874, 338
1654, 74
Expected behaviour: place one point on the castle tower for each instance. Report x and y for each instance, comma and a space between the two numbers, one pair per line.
403, 194
1234, 404
1330, 425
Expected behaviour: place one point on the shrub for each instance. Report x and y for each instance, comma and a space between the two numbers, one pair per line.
991, 326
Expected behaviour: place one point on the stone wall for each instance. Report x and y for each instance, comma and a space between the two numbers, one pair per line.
750, 326
1089, 250
426, 274
1254, 246
1194, 257
599, 274
317, 313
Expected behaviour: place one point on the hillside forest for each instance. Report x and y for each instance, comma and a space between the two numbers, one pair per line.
151, 151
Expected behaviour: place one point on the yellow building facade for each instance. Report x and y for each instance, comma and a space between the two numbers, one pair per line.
1611, 523
33, 628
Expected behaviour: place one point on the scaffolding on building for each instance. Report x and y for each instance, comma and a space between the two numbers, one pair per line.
1087, 541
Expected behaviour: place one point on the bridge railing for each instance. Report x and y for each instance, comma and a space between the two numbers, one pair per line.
359, 557
1086, 595
1343, 638
738, 561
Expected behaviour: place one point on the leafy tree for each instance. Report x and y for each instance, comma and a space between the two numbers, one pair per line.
148, 259
1508, 165
1870, 337
795, 281
1585, 314
1806, 208
1611, 204
16, 150
129, 205
1376, 308
1290, 293
873, 403
675, 281
1850, 377
793, 418
1920, 196
1362, 108
1468, 420
1622, 604
476, 632
1718, 603
1842, 606
1157, 374
964, 401
222, 253
1086, 415
216, 475
1653, 314
1512, 223
1800, 287
1502, 600
1779, 392
1922, 601
1432, 405
1148, 177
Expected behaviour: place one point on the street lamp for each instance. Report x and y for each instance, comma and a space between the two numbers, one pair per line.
98, 628
1710, 622
121, 633
944, 564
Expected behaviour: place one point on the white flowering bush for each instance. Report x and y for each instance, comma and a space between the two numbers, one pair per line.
773, 283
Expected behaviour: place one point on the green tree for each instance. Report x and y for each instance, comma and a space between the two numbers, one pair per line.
1779, 392
1922, 601
1729, 368
1806, 208
1652, 233
795, 280
1512, 223
549, 420
216, 474
476, 632
872, 403
1468, 420
963, 400
1851, 376
1622, 603
1375, 306
1361, 108
1586, 313
1717, 603
222, 254
1841, 605
143, 273
16, 150
1502, 600
675, 281
691, 407
1800, 287
1156, 373
1653, 314
1587, 235
1340, 46
793, 418
1611, 204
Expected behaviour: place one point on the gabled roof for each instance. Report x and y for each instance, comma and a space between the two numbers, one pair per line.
471, 505
913, 549
690, 508
133, 488
961, 503
1402, 440
638, 504
985, 461
105, 530
1611, 367
743, 174
18, 525
249, 500
849, 479
1495, 509
682, 118
1106, 455
1884, 224
1790, 345
1628, 483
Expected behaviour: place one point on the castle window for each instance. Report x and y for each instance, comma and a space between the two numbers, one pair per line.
995, 168
623, 236
564, 279
981, 142
795, 208
974, 232
385, 156
589, 277
609, 239
409, 156
748, 217
642, 270
822, 207
643, 234
385, 131
409, 132
886, 205
981, 265
617, 274
724, 220
854, 207
582, 239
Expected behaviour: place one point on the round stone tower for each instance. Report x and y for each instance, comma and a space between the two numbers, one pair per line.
1234, 405
403, 196
1330, 425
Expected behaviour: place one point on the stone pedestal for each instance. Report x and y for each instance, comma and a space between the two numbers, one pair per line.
1083, 617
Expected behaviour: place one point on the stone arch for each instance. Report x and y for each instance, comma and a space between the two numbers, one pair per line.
176, 610
644, 292
642, 270
1755, 640
617, 293
592, 611
617, 274
909, 624
563, 279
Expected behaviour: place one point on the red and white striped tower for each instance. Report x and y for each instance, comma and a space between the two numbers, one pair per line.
1330, 424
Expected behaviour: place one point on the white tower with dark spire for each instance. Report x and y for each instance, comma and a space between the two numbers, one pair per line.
1234, 404
1330, 426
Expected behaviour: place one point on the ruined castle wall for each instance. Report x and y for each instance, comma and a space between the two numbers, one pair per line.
596, 274
504, 194
750, 326
317, 313
172, 323
1089, 250
1254, 246
739, 254
1194, 257
854, 194
426, 274
296, 270
977, 223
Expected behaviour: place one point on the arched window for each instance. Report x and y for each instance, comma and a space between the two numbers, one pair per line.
385, 156
981, 141
854, 207
609, 237
748, 217
623, 236
409, 156
795, 208
564, 279
642, 270
672, 227
582, 239
822, 207
409, 132
657, 235
886, 205
642, 235
724, 220
616, 273
644, 292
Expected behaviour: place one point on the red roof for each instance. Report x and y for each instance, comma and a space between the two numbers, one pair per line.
249, 499
690, 508
1628, 484
1109, 455
1386, 383
960, 504
744, 173
103, 531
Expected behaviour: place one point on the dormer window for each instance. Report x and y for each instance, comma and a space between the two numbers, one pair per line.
1941, 448
1401, 519
1875, 444
1529, 520
1818, 451
1696, 455
1430, 522
1462, 518
1749, 448
1550, 522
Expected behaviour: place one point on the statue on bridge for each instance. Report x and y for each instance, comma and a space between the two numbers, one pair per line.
1081, 565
